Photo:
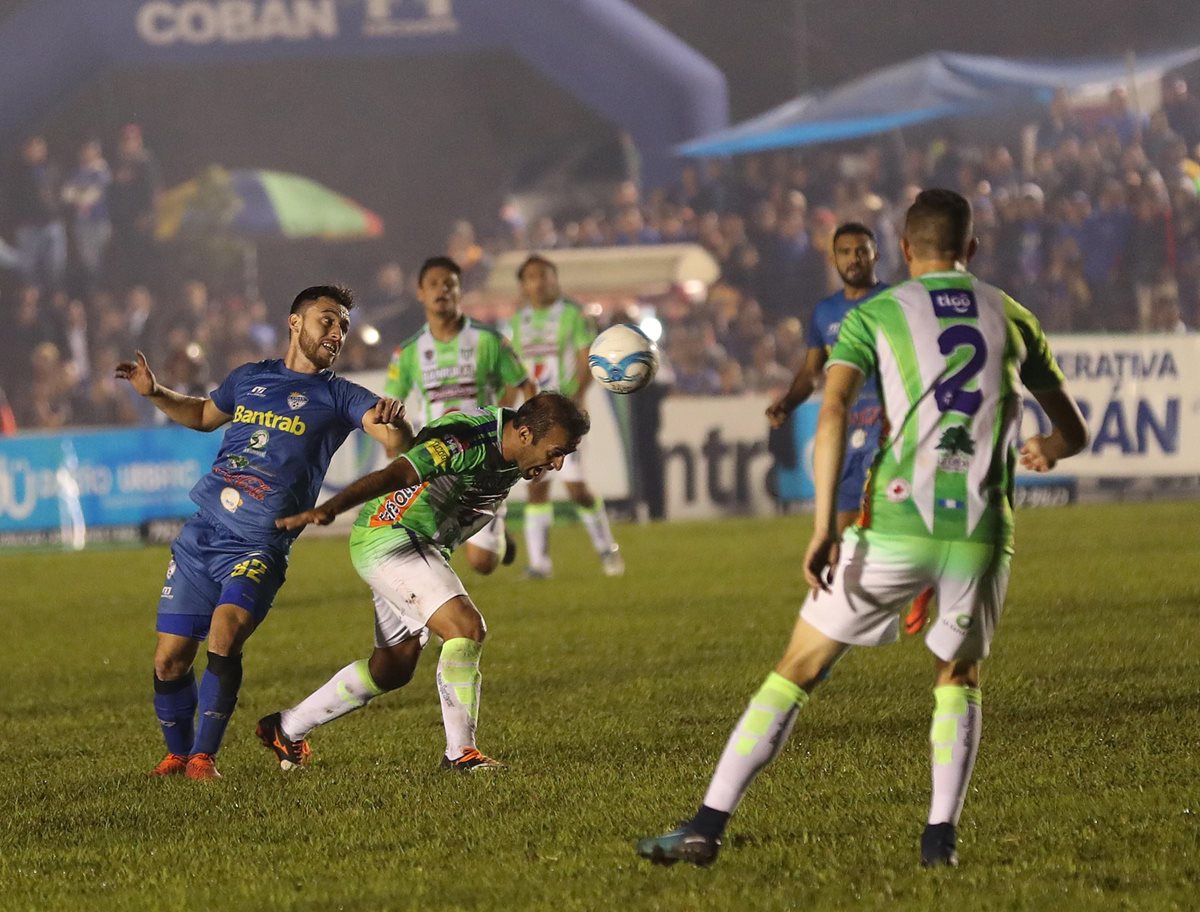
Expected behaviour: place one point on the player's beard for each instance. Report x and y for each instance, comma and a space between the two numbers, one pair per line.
314, 351
860, 280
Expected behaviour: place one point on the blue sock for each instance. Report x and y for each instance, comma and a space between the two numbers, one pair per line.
175, 706
218, 696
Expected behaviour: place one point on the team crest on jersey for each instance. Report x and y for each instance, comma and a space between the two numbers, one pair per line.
297, 401
898, 491
170, 568
955, 449
259, 391
231, 499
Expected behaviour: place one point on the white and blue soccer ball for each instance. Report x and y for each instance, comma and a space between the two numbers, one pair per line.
623, 359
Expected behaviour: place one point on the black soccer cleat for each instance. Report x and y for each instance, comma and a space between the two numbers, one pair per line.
510, 549
937, 846
290, 754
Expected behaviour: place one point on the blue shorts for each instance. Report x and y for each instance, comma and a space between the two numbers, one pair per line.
211, 566
854, 479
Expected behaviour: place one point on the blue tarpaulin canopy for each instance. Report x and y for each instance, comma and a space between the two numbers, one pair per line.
942, 84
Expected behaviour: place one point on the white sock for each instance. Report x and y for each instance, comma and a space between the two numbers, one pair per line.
595, 520
954, 744
538, 519
458, 683
757, 738
348, 690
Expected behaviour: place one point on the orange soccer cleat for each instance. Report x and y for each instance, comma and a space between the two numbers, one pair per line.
170, 765
202, 768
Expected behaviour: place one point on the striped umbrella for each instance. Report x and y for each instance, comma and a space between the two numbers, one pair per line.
258, 205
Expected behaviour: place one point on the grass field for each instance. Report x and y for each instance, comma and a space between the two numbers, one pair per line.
610, 700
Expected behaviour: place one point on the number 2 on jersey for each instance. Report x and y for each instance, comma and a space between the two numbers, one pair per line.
949, 393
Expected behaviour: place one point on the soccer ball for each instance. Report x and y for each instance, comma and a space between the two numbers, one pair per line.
623, 359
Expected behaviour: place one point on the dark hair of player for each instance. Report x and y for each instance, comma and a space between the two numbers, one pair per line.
530, 260
339, 294
435, 262
545, 410
855, 228
939, 224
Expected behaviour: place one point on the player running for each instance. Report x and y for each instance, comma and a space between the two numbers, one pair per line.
286, 419
438, 494
552, 335
945, 351
855, 257
457, 363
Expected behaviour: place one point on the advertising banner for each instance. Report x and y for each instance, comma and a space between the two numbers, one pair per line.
66, 487
1140, 396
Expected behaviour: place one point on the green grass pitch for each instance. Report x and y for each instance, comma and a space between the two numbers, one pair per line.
610, 700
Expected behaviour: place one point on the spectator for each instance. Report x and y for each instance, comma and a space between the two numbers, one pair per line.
33, 204
51, 385
87, 195
392, 308
1182, 110
132, 197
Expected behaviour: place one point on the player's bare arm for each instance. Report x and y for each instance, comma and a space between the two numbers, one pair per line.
842, 383
397, 474
522, 392
802, 386
196, 412
386, 423
1067, 437
583, 375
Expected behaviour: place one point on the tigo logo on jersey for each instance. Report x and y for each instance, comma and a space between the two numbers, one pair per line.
291, 424
297, 401
898, 491
949, 303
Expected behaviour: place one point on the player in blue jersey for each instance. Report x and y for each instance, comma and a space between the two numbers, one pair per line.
286, 419
855, 256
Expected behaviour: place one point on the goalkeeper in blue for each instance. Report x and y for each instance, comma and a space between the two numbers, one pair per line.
285, 418
945, 353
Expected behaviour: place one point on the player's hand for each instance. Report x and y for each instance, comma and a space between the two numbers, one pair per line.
317, 516
777, 412
820, 562
389, 412
139, 375
1034, 456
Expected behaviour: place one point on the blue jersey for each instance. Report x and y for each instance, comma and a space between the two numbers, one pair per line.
866, 417
286, 427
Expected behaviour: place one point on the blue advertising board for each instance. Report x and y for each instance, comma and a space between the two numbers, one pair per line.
64, 486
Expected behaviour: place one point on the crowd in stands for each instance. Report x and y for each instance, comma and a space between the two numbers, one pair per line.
1093, 223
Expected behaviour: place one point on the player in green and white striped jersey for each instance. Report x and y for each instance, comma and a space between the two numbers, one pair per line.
456, 363
552, 335
946, 353
418, 508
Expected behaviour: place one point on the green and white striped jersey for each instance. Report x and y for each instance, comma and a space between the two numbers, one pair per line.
946, 352
464, 478
548, 339
469, 371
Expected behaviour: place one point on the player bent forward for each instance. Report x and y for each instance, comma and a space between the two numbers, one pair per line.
945, 351
421, 506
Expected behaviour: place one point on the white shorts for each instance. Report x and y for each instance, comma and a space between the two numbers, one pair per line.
408, 587
878, 576
491, 537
